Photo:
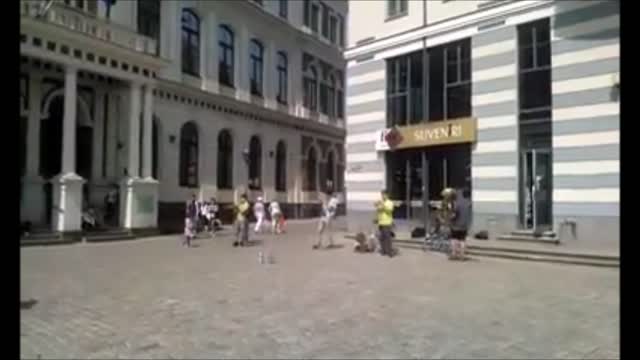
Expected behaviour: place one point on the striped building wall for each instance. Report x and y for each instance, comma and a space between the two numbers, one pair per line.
494, 158
586, 119
366, 114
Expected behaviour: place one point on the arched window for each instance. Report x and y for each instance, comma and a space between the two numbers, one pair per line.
331, 97
189, 155
310, 96
225, 68
190, 42
282, 77
281, 166
225, 160
256, 54
255, 163
330, 172
312, 170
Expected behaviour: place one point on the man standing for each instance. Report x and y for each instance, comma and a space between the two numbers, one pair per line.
242, 224
460, 225
384, 209
329, 209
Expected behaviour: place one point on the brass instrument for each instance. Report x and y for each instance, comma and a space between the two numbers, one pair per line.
447, 211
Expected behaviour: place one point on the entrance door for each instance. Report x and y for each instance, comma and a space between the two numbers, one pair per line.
537, 189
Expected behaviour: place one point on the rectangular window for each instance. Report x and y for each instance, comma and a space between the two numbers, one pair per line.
307, 13
333, 28
341, 33
325, 20
396, 8
283, 10
315, 15
323, 98
457, 84
404, 90
534, 59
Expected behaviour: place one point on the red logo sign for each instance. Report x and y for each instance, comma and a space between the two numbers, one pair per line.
393, 138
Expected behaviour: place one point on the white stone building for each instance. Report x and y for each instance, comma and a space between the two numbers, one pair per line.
163, 98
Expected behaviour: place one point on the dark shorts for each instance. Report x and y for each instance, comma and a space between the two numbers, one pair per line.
460, 235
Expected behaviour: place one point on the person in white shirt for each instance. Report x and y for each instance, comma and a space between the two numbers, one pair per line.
258, 211
276, 217
329, 209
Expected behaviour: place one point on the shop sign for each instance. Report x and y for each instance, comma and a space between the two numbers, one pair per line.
427, 134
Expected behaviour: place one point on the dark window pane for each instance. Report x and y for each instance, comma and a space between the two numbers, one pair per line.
403, 75
307, 12
459, 101
465, 69
325, 21
315, 14
542, 31
526, 58
535, 89
543, 55
452, 73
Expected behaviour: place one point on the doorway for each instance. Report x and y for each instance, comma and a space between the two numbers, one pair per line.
536, 190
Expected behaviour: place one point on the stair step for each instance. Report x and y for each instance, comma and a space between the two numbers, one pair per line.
526, 238
43, 236
548, 259
528, 255
46, 241
113, 234
527, 232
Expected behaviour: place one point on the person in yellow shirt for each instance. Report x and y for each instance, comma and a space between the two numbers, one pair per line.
384, 210
242, 223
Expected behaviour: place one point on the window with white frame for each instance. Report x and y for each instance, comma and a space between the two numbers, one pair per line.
282, 69
310, 89
256, 61
396, 8
225, 54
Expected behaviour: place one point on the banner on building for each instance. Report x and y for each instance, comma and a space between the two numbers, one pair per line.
427, 134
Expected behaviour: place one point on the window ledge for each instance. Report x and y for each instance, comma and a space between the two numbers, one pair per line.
396, 16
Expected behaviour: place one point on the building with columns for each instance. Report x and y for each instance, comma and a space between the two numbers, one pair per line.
160, 100
515, 101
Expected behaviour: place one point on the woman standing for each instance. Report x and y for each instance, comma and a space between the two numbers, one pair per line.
191, 216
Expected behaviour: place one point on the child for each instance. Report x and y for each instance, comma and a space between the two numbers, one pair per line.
191, 214
329, 209
258, 211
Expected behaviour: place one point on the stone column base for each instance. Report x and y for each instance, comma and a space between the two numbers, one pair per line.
32, 202
138, 203
67, 202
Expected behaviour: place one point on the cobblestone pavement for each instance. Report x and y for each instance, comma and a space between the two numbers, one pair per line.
151, 298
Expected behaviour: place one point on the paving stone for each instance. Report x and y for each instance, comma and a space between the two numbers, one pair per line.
151, 298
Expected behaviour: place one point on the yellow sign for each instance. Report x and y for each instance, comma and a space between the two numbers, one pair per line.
428, 134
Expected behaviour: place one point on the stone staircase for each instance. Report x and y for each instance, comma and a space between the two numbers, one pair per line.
527, 253
546, 237
40, 237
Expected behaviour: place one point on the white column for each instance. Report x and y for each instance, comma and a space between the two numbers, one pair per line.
211, 24
295, 79
69, 126
98, 135
67, 187
147, 133
269, 74
112, 137
33, 126
133, 145
33, 202
242, 64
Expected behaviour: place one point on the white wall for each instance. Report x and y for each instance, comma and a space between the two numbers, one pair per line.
367, 18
